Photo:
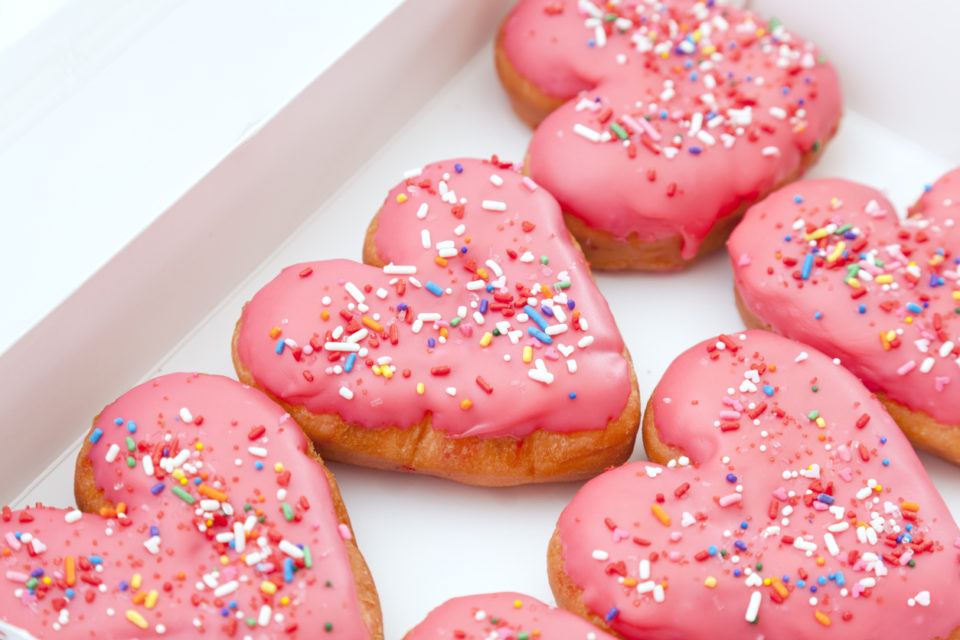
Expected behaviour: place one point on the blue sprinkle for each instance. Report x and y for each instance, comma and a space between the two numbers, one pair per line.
712, 549
279, 348
801, 584
463, 249
899, 539
813, 588
909, 527
431, 343
886, 462
883, 440
224, 612
807, 266
591, 43
798, 198
731, 478
821, 580
197, 481
613, 613
288, 570
744, 524
258, 465
458, 167
154, 530
663, 114
831, 576
489, 288
785, 578
914, 307
131, 426
737, 572
907, 537
862, 308
351, 360
484, 305
157, 488
825, 499
934, 280
18, 534
741, 545
95, 560
767, 389
402, 306
573, 395
787, 238
818, 315
785, 90
118, 421
695, 150
232, 604
535, 316
96, 435
69, 593
539, 335
849, 234
432, 287
840, 579
927, 187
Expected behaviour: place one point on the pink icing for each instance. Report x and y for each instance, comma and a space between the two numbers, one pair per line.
920, 367
191, 582
790, 475
649, 183
579, 381
496, 615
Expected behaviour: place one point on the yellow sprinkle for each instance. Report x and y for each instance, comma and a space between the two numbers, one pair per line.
816, 235
47, 580
278, 467
376, 369
372, 324
908, 320
821, 422
183, 482
878, 488
325, 314
420, 388
275, 332
224, 560
466, 404
710, 582
956, 295
152, 598
838, 250
401, 198
822, 618
136, 580
440, 261
178, 473
268, 587
517, 604
387, 372
760, 33
528, 354
696, 35
709, 51
284, 601
886, 278
137, 619
486, 339
660, 514
853, 282
767, 582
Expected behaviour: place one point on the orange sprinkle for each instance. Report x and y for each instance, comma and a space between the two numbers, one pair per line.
779, 587
629, 582
275, 332
910, 506
70, 568
325, 314
440, 261
466, 404
212, 493
372, 324
822, 618
545, 290
108, 512
140, 597
661, 515
482, 273
122, 507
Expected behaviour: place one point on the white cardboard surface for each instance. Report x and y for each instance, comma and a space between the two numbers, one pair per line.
427, 540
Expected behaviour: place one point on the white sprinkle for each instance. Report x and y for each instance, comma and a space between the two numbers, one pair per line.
422, 211
259, 452
148, 466
778, 112
473, 285
341, 346
658, 594
112, 452
478, 317
646, 587
803, 356
572, 365
185, 415
831, 543
356, 337
459, 230
527, 257
541, 375
555, 329
586, 132
354, 292
239, 537
529, 183
425, 238
210, 505
495, 268
152, 544
346, 393
290, 549
265, 613
754, 607
72, 516
495, 179
431, 316
927, 365
585, 342
494, 205
451, 391
600, 554
839, 527
399, 270
945, 349
770, 151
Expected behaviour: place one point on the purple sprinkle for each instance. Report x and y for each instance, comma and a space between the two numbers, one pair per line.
157, 488
571, 304
545, 310
484, 305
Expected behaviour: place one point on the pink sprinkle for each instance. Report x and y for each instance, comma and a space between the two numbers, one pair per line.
16, 576
529, 184
744, 260
729, 415
344, 531
780, 494
820, 506
844, 452
466, 329
846, 474
907, 368
551, 354
730, 402
12, 541
940, 382
956, 543
674, 556
730, 499
619, 534
676, 536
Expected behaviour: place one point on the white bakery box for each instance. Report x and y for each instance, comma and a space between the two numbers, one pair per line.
158, 165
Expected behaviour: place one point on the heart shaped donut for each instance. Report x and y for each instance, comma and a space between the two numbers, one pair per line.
666, 119
214, 517
502, 616
829, 263
478, 348
790, 507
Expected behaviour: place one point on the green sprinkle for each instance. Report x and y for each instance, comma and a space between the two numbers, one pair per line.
723, 553
544, 260
495, 332
308, 558
617, 129
131, 462
912, 564
247, 507
328, 584
131, 445
523, 635
183, 495
843, 229
456, 321
816, 388
759, 566
328, 626
813, 415
610, 17
774, 23
816, 146
563, 284
251, 622
287, 511
821, 59
31, 583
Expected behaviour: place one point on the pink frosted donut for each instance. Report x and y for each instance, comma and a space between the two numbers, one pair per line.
790, 507
506, 616
830, 263
216, 518
473, 345
666, 119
